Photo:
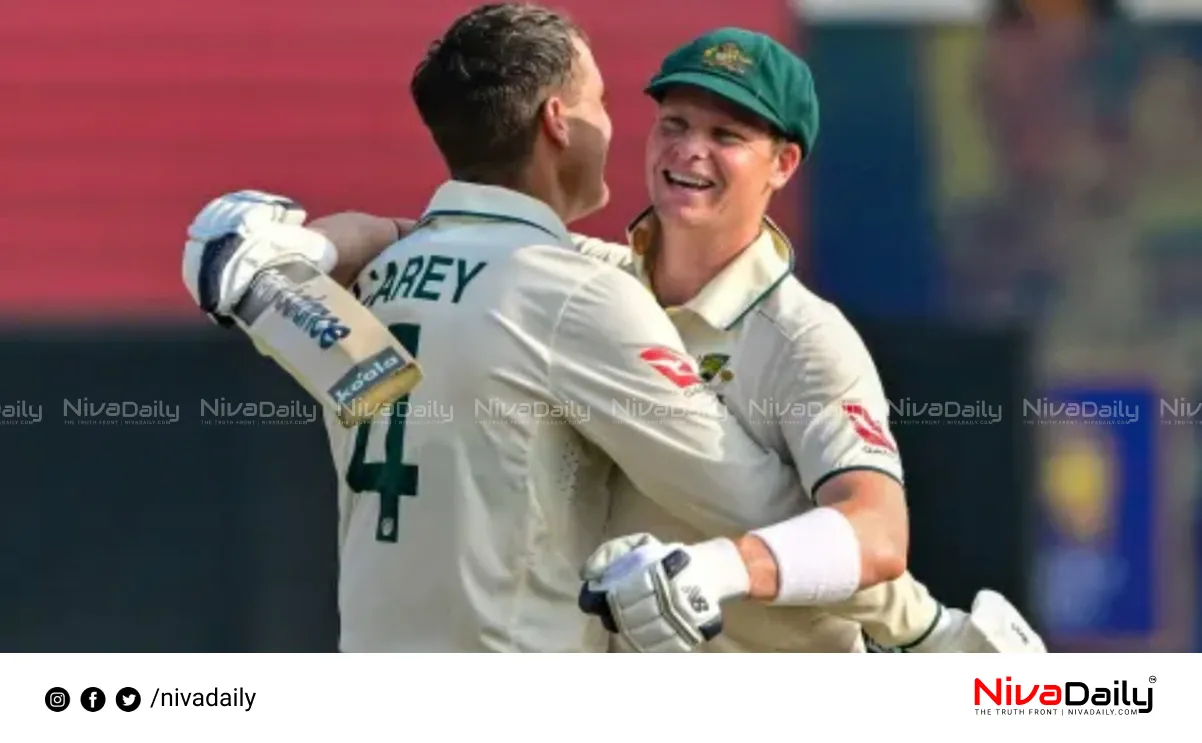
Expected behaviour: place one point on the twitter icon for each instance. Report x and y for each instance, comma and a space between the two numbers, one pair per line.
128, 699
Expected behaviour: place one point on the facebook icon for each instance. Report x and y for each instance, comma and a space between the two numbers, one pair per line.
92, 699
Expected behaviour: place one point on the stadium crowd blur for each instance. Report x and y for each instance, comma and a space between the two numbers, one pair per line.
1035, 168
1074, 207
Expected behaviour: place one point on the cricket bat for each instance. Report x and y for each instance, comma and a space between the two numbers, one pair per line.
329, 342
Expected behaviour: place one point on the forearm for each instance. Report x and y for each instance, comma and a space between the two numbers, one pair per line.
892, 607
897, 613
857, 539
875, 506
359, 238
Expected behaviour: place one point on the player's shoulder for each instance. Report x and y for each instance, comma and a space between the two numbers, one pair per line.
795, 324
577, 275
602, 300
611, 290
528, 258
793, 312
576, 293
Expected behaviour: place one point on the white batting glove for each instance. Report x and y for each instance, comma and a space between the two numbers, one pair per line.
237, 235
662, 598
993, 626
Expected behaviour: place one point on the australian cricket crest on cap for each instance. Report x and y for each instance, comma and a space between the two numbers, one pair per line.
728, 56
712, 365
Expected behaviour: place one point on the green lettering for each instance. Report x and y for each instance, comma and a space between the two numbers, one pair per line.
465, 278
420, 278
382, 291
412, 268
432, 275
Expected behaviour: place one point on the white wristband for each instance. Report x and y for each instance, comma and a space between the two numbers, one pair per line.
817, 557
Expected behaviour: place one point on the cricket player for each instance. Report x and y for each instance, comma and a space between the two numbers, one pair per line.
467, 511
737, 115
792, 370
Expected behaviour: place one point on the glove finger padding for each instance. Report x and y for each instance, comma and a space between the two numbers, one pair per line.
215, 255
210, 247
610, 562
648, 617
251, 208
225, 266
614, 557
656, 611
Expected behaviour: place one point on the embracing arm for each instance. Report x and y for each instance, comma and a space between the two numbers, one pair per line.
847, 555
835, 424
616, 356
828, 407
857, 539
845, 442
358, 238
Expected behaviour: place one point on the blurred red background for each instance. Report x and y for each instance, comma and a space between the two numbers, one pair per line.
110, 142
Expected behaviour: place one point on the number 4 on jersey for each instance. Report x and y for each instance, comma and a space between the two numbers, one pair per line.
391, 478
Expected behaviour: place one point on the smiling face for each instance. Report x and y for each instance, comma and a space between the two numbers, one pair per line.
712, 164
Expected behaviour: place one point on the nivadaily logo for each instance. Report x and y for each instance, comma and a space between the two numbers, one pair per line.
1070, 697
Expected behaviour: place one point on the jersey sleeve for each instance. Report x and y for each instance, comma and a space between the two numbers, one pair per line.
613, 254
617, 361
833, 414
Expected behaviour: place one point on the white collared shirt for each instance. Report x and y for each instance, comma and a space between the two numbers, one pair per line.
797, 376
543, 369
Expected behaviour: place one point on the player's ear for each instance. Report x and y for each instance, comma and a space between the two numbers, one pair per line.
554, 121
785, 161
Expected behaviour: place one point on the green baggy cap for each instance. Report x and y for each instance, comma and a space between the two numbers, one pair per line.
752, 71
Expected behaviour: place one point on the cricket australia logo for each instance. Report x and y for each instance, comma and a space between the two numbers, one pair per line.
713, 365
728, 56
715, 372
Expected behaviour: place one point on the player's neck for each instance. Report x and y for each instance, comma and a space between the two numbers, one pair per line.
686, 259
545, 186
537, 183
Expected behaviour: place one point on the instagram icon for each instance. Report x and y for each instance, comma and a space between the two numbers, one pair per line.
57, 699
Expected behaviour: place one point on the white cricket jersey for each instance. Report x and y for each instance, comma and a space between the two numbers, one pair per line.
796, 374
467, 511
